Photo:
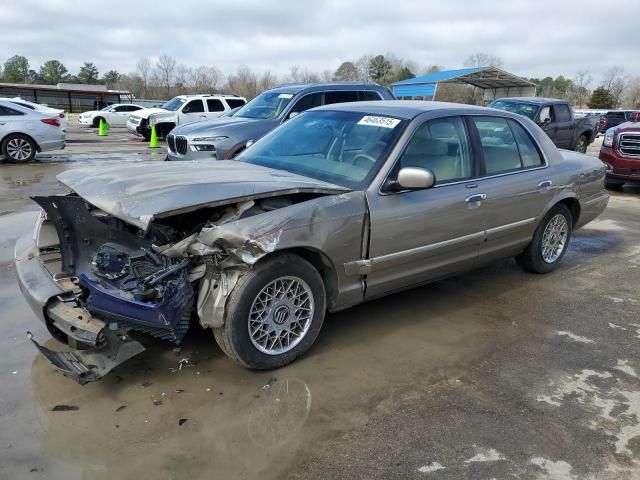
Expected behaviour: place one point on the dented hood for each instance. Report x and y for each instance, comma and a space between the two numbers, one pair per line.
138, 193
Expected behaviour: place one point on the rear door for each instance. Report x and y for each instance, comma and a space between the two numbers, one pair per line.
516, 182
215, 107
192, 111
564, 125
8, 119
419, 235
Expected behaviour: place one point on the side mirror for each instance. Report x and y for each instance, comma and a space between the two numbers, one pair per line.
293, 114
544, 121
414, 178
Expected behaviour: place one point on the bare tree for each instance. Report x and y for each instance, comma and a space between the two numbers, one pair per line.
362, 68
143, 68
165, 71
244, 82
206, 79
580, 88
481, 59
267, 81
632, 93
614, 81
183, 75
298, 74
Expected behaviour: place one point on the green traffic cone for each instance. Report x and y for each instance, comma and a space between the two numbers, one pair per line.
153, 143
102, 130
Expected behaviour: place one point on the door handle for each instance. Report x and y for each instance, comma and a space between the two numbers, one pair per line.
476, 197
545, 184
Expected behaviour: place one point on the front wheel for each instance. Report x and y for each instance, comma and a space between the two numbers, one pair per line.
549, 243
274, 313
581, 144
19, 148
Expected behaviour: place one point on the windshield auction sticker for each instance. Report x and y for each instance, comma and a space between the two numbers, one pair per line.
386, 122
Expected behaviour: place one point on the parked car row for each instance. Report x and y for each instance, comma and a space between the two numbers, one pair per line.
340, 204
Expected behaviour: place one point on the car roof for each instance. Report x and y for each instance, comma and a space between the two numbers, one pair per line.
535, 100
313, 87
207, 95
407, 109
20, 108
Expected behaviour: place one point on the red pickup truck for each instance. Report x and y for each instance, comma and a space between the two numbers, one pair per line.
621, 152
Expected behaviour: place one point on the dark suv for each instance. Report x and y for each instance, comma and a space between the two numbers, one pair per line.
613, 119
224, 138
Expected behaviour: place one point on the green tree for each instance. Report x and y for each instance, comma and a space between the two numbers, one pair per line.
88, 73
601, 98
111, 78
52, 72
380, 69
16, 69
347, 72
403, 74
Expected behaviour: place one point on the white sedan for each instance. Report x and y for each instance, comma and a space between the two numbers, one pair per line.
115, 115
24, 132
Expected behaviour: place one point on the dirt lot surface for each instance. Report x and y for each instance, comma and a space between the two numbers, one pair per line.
492, 374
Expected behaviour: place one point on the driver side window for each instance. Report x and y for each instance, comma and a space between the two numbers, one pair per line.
442, 146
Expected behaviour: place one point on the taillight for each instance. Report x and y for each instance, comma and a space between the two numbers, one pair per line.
51, 121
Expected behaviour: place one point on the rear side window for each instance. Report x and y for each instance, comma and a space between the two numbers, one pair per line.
615, 115
441, 146
30, 107
368, 95
529, 153
194, 106
498, 144
6, 111
235, 102
215, 105
132, 108
562, 113
340, 97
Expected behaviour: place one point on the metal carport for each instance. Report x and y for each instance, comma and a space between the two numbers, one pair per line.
493, 82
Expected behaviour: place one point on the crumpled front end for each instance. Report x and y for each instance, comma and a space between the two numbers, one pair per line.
97, 281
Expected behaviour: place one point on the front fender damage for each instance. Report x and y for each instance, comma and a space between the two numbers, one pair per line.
229, 248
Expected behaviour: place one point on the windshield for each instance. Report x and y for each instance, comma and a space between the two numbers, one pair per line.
344, 148
265, 105
526, 109
173, 104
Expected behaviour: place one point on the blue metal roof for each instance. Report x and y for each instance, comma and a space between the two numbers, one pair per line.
425, 86
436, 77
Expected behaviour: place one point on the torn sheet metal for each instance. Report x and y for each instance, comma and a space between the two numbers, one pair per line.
86, 366
231, 249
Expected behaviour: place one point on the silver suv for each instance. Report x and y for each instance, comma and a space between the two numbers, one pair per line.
224, 138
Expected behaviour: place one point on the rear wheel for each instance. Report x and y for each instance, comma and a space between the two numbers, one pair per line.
96, 122
581, 144
274, 313
549, 243
19, 148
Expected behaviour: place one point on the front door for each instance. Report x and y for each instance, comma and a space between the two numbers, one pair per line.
193, 111
420, 235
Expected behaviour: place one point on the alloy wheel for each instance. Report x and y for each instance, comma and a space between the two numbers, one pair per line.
554, 238
281, 315
19, 149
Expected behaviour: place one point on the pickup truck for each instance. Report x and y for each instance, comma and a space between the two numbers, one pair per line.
555, 118
620, 151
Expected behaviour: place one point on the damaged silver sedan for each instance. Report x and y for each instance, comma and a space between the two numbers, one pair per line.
340, 205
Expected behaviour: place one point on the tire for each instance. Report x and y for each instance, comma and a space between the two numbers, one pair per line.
19, 148
146, 136
614, 184
532, 259
96, 122
274, 272
581, 144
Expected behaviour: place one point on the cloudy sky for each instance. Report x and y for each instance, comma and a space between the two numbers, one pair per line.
534, 38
